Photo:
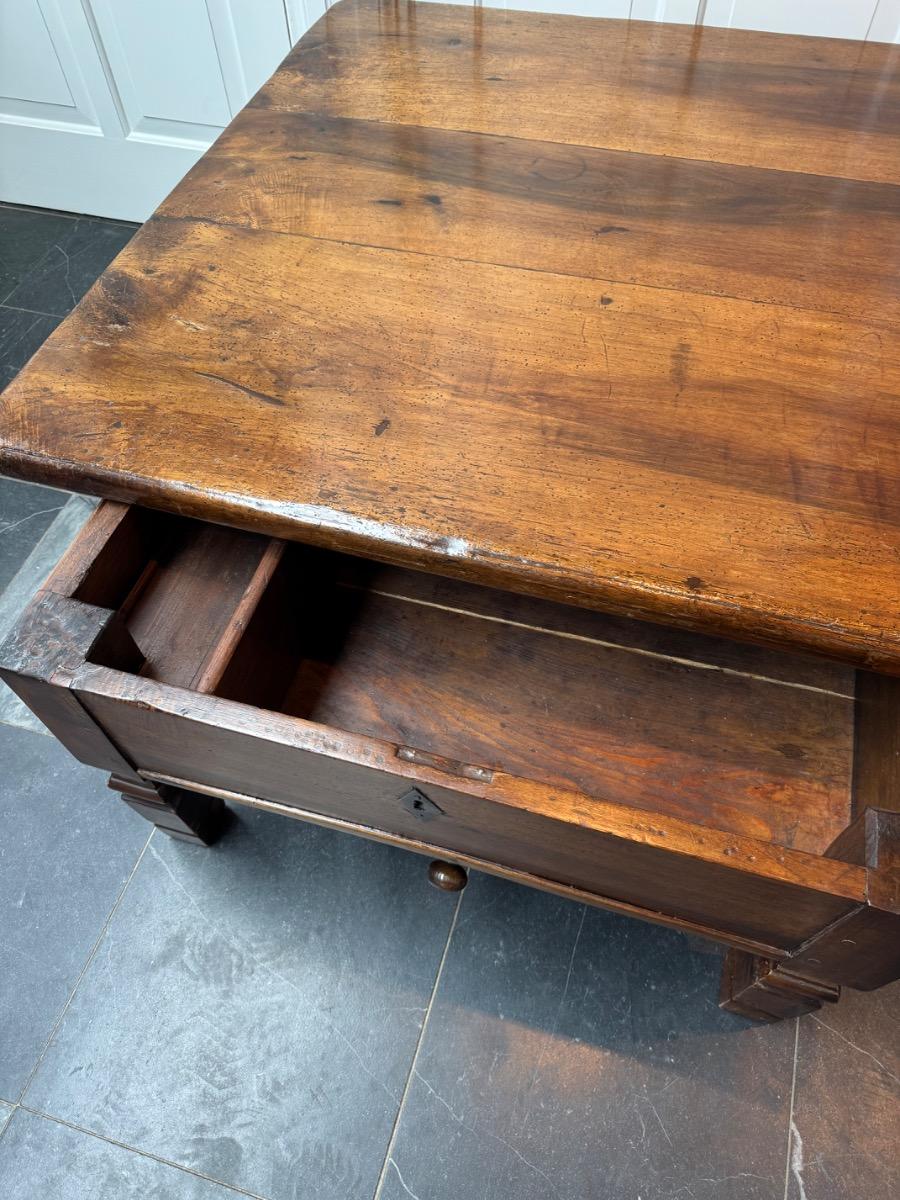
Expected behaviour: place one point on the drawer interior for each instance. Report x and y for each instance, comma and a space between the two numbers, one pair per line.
734, 737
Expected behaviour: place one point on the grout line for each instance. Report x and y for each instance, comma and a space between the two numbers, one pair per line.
168, 1162
69, 216
48, 212
42, 512
14, 723
84, 969
592, 641
12, 1106
853, 1046
415, 1058
790, 1132
35, 312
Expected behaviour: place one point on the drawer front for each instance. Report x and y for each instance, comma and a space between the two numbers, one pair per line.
730, 885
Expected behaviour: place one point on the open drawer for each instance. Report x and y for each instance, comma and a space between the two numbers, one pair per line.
682, 778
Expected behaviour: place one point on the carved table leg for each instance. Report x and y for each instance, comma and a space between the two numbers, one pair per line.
765, 990
188, 816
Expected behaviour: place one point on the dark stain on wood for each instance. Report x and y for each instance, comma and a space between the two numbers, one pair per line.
264, 396
681, 356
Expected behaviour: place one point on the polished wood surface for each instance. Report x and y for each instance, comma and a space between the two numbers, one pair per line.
596, 310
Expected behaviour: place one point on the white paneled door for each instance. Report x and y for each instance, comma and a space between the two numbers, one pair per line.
105, 104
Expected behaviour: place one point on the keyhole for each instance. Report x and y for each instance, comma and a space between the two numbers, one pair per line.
420, 805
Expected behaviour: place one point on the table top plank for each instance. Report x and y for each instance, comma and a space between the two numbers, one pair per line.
668, 386
818, 105
758, 234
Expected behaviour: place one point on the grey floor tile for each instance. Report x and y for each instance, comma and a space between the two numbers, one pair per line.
25, 237
846, 1120
253, 1010
5, 1114
67, 845
579, 1055
79, 252
20, 335
25, 513
43, 1160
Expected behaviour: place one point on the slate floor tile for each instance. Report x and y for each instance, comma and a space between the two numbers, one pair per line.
21, 333
253, 1010
25, 237
846, 1121
43, 1160
78, 253
578, 1055
26, 511
66, 848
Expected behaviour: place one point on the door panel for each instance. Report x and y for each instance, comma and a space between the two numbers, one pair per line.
885, 25
47, 67
105, 104
831, 18
29, 68
303, 13
166, 67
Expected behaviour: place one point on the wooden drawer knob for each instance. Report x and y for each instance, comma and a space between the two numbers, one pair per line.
447, 876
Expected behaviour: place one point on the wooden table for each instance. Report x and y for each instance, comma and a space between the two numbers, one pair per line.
501, 424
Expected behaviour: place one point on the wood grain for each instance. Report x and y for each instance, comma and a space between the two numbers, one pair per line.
612, 629
190, 600
876, 756
720, 747
592, 310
